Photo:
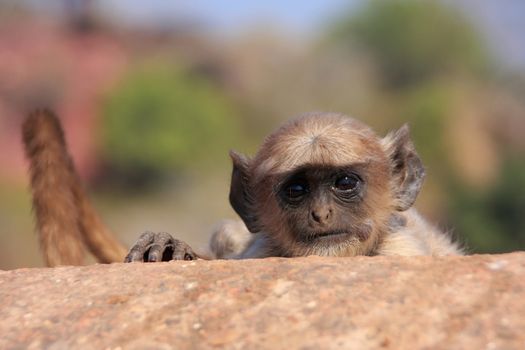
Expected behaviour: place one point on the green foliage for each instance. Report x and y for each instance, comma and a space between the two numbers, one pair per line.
426, 108
161, 119
412, 40
494, 221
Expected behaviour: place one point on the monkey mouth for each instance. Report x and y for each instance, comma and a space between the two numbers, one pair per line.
329, 234
325, 235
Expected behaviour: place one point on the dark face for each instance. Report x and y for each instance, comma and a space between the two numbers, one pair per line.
324, 204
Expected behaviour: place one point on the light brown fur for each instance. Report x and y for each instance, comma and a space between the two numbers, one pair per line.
418, 237
333, 139
66, 222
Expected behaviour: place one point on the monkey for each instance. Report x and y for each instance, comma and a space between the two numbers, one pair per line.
322, 184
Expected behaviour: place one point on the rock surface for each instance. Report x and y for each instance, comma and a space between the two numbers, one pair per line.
475, 302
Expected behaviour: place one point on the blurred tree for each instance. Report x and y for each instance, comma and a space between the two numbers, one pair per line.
493, 220
426, 109
161, 119
412, 40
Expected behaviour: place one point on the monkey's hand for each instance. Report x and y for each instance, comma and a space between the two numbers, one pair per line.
159, 246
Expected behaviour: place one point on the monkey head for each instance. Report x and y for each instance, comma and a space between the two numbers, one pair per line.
326, 184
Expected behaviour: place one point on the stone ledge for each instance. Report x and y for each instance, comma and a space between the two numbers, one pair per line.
364, 302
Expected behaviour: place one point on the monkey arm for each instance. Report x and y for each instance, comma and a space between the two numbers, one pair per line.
229, 239
159, 246
416, 236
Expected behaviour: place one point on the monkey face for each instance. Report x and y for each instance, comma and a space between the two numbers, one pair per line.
324, 204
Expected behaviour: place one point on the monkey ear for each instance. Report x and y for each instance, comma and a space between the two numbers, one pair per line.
406, 167
241, 198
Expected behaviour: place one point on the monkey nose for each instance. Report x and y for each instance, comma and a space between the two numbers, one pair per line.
321, 216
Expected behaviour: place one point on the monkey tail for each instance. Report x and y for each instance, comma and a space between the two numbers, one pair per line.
66, 222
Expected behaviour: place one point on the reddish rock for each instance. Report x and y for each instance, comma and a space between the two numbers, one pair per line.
475, 302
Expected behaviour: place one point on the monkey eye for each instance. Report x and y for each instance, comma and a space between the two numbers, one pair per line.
347, 183
296, 190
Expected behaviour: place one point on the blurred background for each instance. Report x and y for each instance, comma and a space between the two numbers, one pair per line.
153, 94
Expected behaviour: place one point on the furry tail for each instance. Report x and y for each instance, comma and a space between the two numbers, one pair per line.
66, 222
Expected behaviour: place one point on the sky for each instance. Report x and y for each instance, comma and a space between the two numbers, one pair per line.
502, 21
230, 15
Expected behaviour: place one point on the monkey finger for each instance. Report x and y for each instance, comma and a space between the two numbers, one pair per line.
190, 256
184, 255
136, 253
182, 251
145, 239
161, 249
155, 252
